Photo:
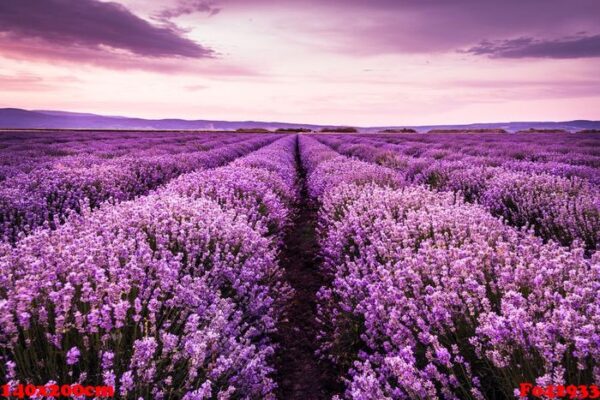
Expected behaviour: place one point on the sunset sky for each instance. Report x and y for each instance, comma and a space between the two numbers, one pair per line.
367, 63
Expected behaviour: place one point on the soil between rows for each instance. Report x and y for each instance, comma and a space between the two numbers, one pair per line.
300, 374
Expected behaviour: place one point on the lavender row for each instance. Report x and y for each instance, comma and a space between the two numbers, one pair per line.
554, 154
46, 197
431, 297
172, 295
259, 188
25, 154
565, 209
570, 149
578, 157
30, 200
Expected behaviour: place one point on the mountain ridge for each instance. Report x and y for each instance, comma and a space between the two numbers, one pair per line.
16, 118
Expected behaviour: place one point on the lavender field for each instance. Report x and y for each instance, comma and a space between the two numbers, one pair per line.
221, 265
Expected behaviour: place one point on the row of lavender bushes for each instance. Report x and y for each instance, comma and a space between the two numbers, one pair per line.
562, 155
558, 201
45, 197
172, 295
80, 149
570, 149
432, 297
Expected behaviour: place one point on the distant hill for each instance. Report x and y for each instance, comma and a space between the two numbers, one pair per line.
572, 126
17, 118
25, 119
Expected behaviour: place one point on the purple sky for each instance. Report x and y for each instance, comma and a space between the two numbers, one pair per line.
356, 62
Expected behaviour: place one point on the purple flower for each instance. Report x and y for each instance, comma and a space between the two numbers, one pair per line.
73, 356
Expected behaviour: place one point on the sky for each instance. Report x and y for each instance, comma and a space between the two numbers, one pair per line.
351, 62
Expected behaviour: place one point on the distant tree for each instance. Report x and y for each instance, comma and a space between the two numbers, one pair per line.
297, 130
253, 130
340, 129
534, 130
398, 130
482, 130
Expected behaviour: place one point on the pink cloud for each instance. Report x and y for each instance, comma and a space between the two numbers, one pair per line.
579, 46
34, 49
365, 28
90, 30
24, 82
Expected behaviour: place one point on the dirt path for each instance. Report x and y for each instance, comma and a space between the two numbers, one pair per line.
300, 374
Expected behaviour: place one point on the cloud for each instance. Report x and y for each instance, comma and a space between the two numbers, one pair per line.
544, 88
581, 46
66, 27
23, 82
195, 88
365, 28
186, 7
37, 50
